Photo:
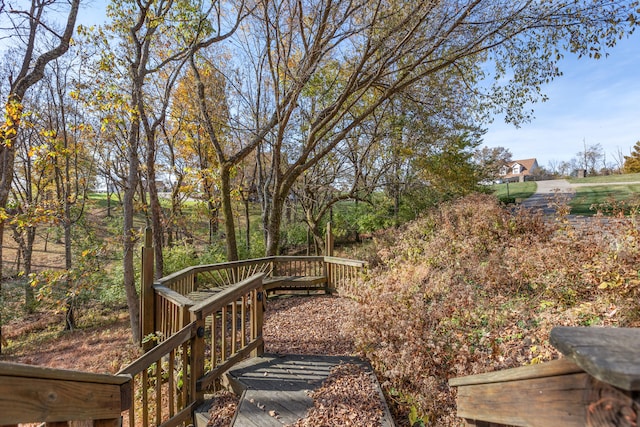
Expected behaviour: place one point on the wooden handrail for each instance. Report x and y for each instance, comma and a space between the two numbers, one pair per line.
345, 261
165, 281
173, 296
185, 272
596, 384
226, 297
32, 394
9, 369
169, 379
157, 352
166, 382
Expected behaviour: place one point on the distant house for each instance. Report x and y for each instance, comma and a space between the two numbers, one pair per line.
518, 170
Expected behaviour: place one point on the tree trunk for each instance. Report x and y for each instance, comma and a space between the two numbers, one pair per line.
70, 318
154, 205
214, 212
27, 77
24, 239
7, 159
29, 297
273, 226
129, 234
227, 211
247, 219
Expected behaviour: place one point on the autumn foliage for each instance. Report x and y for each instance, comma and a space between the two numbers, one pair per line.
474, 287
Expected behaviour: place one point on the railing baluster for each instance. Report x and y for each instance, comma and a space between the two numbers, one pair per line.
159, 392
185, 377
234, 327
214, 340
172, 383
145, 399
223, 335
132, 407
243, 316
252, 314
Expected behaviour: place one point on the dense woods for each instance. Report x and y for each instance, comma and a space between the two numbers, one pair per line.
266, 117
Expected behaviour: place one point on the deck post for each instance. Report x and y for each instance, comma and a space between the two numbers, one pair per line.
329, 241
328, 251
197, 359
147, 309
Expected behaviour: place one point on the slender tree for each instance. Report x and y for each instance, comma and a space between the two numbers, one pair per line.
145, 29
31, 29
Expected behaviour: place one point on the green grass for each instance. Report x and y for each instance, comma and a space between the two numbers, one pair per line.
516, 190
597, 195
604, 179
100, 199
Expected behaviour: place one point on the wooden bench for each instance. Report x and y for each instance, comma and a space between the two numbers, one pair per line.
272, 285
295, 283
596, 384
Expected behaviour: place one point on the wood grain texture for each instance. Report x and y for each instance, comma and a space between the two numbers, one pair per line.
608, 354
26, 400
544, 402
548, 369
20, 370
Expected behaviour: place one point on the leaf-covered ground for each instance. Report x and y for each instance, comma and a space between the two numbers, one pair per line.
315, 326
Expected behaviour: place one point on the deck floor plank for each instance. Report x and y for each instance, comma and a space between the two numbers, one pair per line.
277, 388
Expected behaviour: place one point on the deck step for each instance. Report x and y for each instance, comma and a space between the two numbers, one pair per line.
201, 414
275, 388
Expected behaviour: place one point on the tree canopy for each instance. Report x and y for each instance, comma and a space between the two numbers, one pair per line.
632, 161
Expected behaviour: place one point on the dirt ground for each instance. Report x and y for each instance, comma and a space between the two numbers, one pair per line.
41, 341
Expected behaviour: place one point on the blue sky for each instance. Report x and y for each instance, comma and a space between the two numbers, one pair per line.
594, 102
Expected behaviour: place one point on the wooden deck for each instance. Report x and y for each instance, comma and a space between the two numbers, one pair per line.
273, 384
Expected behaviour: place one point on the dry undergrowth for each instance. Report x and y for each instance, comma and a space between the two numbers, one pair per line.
474, 287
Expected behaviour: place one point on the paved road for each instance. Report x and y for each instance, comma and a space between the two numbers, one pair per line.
545, 193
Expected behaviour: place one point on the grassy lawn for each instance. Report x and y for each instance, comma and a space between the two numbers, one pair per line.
613, 191
515, 190
597, 195
630, 177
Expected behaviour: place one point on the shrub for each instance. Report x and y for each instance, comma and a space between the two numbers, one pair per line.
473, 287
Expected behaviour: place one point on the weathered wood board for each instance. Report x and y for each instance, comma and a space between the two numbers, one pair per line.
595, 385
608, 354
35, 394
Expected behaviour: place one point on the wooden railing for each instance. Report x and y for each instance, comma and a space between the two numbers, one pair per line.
342, 272
169, 299
162, 388
191, 342
33, 394
169, 381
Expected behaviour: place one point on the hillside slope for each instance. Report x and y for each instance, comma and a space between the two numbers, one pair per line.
475, 287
